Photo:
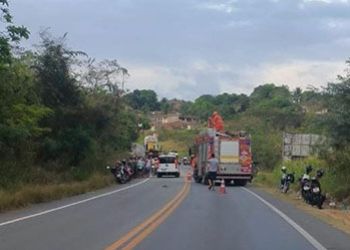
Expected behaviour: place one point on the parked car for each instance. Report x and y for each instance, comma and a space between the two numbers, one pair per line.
168, 165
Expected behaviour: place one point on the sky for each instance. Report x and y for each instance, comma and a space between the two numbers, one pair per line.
186, 48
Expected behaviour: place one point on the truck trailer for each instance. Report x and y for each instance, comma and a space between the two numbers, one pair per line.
233, 150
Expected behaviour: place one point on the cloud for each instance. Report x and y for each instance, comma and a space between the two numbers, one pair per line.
326, 1
185, 48
300, 73
163, 80
223, 6
201, 77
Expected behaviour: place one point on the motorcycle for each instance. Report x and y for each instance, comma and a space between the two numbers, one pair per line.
311, 191
129, 172
316, 198
305, 189
118, 173
286, 181
305, 184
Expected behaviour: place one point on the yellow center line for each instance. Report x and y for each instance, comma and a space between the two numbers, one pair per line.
140, 237
149, 221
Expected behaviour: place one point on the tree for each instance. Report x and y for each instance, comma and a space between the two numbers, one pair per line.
338, 115
105, 75
68, 140
145, 100
11, 34
297, 95
165, 106
20, 107
274, 104
58, 88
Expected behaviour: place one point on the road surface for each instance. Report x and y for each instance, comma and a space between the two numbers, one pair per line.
165, 214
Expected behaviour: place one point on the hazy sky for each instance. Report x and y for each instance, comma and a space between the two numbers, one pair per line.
186, 48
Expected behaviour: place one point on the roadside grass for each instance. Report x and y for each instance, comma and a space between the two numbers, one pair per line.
27, 194
22, 184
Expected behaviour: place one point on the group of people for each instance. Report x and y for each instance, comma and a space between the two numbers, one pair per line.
141, 166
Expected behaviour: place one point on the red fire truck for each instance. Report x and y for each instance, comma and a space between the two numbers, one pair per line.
233, 150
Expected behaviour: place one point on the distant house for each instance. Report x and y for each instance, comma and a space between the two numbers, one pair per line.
171, 120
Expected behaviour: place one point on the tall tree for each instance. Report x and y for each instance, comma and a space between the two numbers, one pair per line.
59, 91
338, 115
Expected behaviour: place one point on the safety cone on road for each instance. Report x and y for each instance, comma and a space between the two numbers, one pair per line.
189, 176
222, 189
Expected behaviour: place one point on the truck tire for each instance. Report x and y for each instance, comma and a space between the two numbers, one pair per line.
159, 175
228, 183
243, 183
240, 183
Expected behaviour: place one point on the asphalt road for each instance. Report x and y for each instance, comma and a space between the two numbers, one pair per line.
167, 213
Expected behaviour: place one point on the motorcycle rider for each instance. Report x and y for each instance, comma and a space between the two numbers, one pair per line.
306, 175
305, 181
284, 176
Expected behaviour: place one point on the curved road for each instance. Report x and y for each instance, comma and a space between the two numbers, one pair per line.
167, 213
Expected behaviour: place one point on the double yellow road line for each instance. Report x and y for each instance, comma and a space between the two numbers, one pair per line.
140, 232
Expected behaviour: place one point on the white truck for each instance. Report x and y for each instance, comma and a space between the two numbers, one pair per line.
233, 152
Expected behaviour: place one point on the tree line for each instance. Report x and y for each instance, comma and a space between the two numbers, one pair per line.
60, 111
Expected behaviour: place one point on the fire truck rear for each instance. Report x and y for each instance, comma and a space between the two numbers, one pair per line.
233, 150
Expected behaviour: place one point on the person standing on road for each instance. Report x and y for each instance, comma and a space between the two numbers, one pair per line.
213, 165
148, 165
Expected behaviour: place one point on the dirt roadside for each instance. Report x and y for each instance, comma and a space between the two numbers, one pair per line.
333, 216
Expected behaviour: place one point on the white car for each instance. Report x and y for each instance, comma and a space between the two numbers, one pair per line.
168, 165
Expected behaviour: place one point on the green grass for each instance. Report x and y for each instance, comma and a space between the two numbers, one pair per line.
31, 193
24, 184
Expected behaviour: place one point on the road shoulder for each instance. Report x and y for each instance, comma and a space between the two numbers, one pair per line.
314, 221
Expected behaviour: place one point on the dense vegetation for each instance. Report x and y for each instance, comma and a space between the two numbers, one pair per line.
62, 115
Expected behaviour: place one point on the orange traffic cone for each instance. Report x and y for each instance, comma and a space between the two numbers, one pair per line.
222, 189
189, 176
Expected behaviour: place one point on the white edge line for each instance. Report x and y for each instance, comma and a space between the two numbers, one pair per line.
305, 234
71, 204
